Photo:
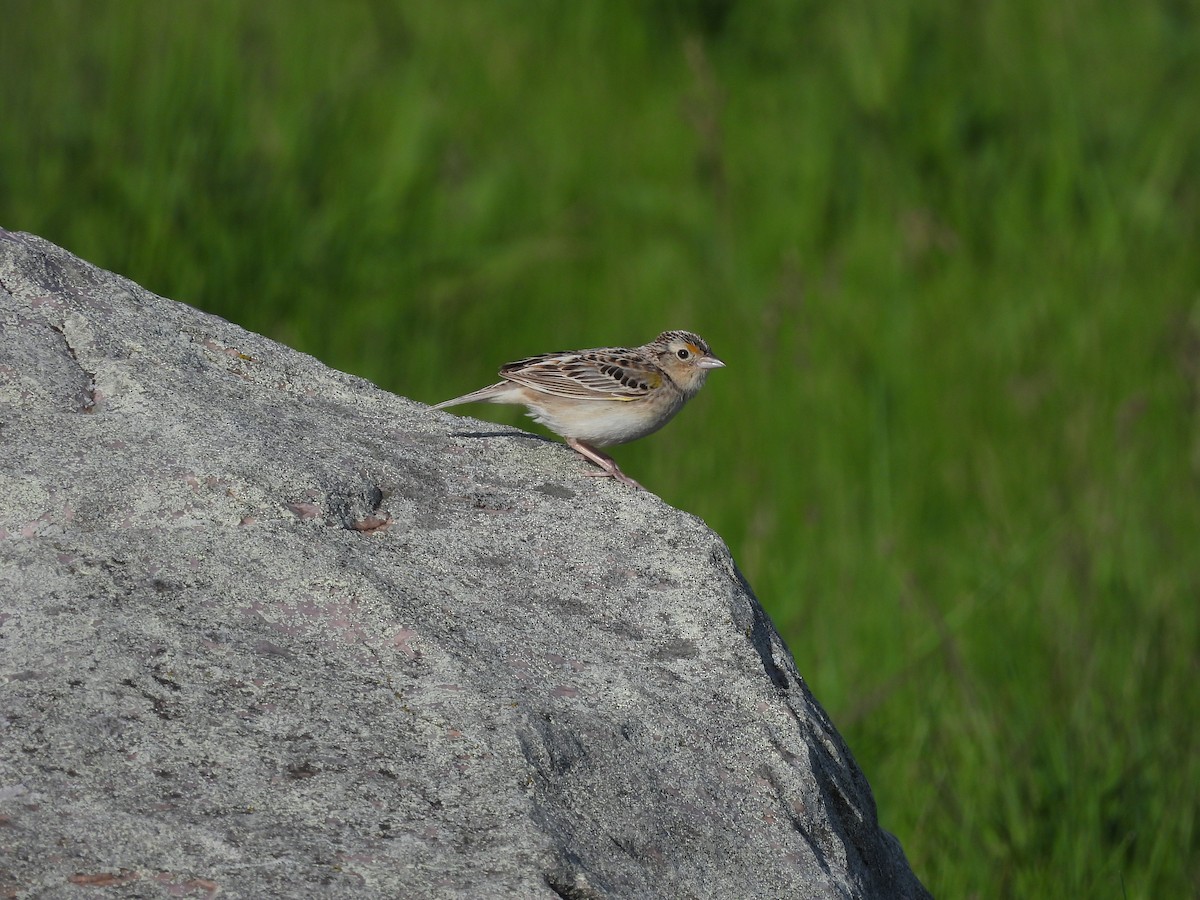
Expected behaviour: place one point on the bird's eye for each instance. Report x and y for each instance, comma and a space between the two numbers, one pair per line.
683, 354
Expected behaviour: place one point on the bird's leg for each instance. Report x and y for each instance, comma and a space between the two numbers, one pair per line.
607, 464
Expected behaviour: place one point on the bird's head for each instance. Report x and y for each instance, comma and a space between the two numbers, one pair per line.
684, 356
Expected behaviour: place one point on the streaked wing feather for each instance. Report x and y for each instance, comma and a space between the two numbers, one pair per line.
608, 374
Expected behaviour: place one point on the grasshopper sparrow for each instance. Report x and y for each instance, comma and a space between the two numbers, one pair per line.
611, 395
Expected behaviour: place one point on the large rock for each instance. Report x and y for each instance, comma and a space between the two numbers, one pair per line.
268, 630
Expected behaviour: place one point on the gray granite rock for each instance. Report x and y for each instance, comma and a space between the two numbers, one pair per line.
267, 630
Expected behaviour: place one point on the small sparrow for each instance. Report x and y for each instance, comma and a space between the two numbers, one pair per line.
611, 395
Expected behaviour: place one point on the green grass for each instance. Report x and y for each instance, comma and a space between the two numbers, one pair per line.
950, 252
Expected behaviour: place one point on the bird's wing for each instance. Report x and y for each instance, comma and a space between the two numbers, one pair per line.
609, 374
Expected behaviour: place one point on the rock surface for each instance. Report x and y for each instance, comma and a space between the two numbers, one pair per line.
267, 630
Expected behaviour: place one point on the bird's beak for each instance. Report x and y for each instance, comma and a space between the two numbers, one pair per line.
710, 362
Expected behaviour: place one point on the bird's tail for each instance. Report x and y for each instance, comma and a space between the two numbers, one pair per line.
493, 393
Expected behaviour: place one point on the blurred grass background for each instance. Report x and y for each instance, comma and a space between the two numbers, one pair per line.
950, 252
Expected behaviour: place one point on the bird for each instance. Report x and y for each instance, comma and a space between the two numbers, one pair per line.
604, 396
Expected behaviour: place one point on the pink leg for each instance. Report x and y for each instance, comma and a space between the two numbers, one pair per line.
604, 461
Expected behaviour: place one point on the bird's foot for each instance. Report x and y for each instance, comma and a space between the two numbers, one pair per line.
608, 465
616, 475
